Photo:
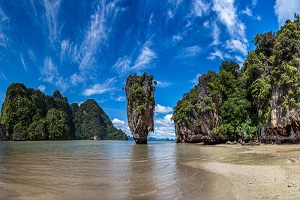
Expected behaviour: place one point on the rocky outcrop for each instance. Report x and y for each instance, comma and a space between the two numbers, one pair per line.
202, 115
140, 106
28, 114
284, 125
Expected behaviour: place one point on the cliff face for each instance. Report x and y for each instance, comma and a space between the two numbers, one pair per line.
259, 101
200, 115
140, 106
28, 114
91, 120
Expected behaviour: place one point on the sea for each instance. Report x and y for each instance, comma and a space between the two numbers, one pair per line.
108, 170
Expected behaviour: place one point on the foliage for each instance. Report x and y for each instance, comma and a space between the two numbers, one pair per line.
242, 98
30, 114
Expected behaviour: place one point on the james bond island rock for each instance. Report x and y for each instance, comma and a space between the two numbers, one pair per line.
260, 101
28, 114
140, 106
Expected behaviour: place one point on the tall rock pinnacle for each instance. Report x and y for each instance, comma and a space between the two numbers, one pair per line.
140, 106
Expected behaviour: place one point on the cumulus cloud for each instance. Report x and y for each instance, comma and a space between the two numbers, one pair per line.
120, 124
163, 109
107, 86
285, 9
164, 127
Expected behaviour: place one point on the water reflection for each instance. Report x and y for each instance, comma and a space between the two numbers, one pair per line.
105, 170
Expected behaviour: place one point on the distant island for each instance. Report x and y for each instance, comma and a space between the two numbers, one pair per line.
29, 114
259, 101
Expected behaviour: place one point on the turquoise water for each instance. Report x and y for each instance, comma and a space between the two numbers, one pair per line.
106, 170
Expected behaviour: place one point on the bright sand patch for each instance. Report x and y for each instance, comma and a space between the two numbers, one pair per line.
277, 178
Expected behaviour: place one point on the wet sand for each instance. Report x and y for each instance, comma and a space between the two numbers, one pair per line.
258, 172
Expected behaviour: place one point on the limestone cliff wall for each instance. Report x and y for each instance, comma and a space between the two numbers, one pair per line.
140, 106
202, 118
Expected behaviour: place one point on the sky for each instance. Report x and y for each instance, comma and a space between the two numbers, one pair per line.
87, 48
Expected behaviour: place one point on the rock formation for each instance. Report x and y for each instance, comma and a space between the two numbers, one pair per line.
202, 115
259, 101
140, 106
28, 114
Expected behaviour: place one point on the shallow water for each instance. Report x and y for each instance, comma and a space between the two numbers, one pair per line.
109, 170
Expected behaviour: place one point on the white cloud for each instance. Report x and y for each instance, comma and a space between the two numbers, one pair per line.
237, 46
145, 59
216, 34
42, 88
247, 11
76, 79
23, 62
122, 66
100, 88
239, 60
196, 79
52, 10
163, 109
162, 84
254, 3
216, 54
31, 55
97, 34
50, 74
285, 9
120, 124
206, 24
176, 38
200, 8
49, 71
164, 127
226, 12
120, 98
190, 51
2, 76
4, 24
166, 121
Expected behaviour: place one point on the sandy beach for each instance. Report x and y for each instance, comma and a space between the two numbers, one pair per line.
261, 172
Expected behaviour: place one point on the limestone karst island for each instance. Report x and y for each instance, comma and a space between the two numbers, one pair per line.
150, 100
259, 101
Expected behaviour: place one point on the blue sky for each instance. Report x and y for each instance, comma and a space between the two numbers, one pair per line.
87, 48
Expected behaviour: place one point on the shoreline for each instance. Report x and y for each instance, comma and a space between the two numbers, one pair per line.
260, 172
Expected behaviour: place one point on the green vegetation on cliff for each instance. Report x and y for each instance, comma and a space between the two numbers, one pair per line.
140, 106
28, 114
263, 94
